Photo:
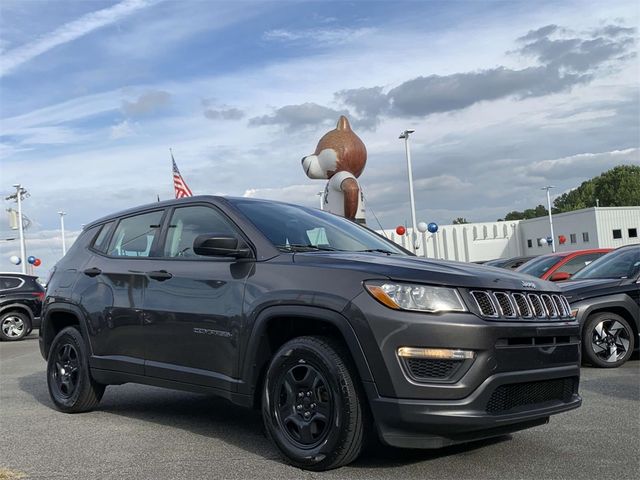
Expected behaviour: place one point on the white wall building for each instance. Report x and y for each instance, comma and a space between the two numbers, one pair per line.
605, 227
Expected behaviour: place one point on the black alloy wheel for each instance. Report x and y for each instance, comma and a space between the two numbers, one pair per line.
71, 387
313, 406
608, 340
305, 405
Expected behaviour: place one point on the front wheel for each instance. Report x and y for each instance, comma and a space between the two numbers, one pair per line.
312, 404
68, 377
607, 339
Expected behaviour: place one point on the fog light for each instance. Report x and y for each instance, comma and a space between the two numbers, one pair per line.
435, 353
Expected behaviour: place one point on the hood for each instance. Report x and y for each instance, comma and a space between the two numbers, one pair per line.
593, 287
424, 270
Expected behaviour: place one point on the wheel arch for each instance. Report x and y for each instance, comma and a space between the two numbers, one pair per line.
12, 307
55, 318
276, 325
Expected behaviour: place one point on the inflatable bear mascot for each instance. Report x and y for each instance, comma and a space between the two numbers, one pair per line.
340, 157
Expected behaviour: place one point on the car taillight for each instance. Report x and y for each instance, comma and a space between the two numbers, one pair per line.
39, 295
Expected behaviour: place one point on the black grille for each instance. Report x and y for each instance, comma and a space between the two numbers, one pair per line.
505, 304
507, 397
485, 304
523, 306
427, 369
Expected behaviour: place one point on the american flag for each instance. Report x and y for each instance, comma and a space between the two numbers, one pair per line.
179, 185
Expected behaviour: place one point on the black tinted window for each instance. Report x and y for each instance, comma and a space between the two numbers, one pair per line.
578, 263
189, 222
100, 243
8, 283
134, 236
623, 263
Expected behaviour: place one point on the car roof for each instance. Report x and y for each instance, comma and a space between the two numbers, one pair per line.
181, 201
577, 252
18, 274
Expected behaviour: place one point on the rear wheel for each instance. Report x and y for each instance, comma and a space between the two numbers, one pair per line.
14, 326
70, 384
312, 406
607, 339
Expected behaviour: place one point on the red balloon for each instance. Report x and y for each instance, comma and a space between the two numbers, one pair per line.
400, 230
37, 262
562, 239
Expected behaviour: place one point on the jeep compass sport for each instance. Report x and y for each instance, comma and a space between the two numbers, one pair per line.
334, 332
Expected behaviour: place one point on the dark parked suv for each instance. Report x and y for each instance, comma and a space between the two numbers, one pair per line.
20, 305
334, 332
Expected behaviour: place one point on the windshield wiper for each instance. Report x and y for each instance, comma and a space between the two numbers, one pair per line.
298, 247
379, 250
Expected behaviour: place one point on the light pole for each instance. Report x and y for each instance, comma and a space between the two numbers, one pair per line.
18, 196
64, 243
553, 238
405, 136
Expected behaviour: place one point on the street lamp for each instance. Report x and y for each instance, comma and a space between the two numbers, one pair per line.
20, 194
64, 243
553, 238
405, 136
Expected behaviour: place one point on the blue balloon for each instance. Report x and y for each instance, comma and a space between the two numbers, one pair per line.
31, 259
432, 227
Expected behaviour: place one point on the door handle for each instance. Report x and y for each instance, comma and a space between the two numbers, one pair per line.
160, 275
92, 272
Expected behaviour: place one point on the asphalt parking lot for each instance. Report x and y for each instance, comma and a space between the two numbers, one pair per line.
142, 432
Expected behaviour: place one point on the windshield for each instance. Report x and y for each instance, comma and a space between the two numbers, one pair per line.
623, 263
538, 266
295, 228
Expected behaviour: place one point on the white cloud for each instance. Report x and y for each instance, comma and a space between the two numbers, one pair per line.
316, 36
68, 32
122, 130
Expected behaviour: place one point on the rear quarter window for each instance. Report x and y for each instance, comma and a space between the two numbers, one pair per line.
10, 283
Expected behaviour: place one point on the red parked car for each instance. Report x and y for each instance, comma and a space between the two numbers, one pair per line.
561, 265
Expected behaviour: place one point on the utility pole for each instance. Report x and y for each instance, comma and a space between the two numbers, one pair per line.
21, 194
553, 238
64, 243
414, 229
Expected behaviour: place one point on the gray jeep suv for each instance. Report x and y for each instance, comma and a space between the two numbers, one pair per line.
337, 334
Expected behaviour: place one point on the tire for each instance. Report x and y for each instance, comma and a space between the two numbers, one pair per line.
71, 387
607, 340
313, 405
14, 326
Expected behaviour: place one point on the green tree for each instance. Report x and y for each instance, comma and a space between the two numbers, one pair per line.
617, 187
460, 221
539, 211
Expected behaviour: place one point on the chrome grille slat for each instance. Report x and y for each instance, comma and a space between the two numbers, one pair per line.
536, 305
485, 304
560, 306
524, 309
549, 306
505, 303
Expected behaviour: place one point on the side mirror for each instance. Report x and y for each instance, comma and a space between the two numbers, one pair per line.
560, 276
218, 245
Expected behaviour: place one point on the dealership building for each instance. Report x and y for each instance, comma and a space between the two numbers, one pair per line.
597, 227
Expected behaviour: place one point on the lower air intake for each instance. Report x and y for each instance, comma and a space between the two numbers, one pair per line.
507, 397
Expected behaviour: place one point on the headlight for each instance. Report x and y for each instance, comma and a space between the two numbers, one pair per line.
421, 298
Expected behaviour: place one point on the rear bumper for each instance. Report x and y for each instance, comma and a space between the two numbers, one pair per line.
487, 412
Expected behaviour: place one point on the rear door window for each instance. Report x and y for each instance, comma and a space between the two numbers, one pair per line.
135, 235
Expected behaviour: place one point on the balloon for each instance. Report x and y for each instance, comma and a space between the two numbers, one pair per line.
422, 227
562, 239
15, 259
542, 242
37, 262
31, 259
400, 230
432, 227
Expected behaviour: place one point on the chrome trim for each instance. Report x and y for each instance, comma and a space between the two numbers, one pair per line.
560, 306
508, 297
489, 297
546, 302
22, 282
524, 298
531, 297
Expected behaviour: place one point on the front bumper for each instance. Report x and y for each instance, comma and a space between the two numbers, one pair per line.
412, 423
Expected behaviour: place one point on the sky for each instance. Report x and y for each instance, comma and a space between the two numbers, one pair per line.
505, 97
